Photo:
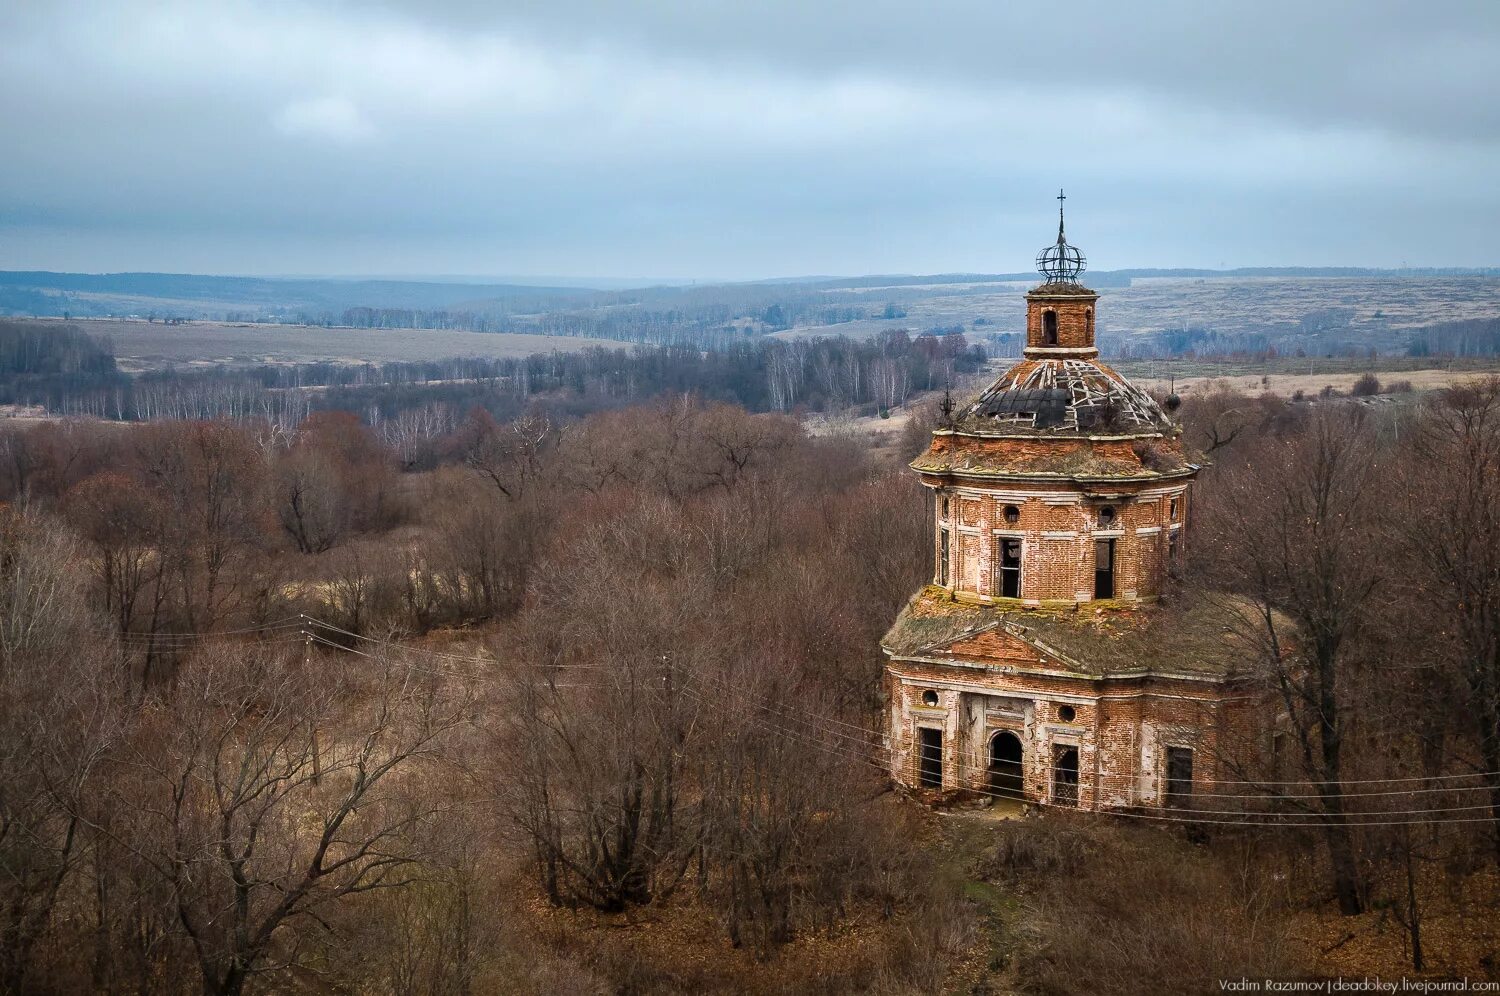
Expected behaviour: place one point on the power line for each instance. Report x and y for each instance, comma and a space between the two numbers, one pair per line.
859, 748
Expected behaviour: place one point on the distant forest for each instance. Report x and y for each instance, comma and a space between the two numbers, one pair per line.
1474, 337
68, 371
65, 370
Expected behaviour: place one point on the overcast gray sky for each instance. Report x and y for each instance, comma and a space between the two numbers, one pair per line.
743, 139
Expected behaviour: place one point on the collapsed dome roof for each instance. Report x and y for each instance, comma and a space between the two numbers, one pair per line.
1064, 396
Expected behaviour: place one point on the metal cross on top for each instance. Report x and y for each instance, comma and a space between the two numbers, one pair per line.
1060, 262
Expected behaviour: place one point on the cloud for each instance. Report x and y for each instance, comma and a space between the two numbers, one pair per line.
335, 118
725, 139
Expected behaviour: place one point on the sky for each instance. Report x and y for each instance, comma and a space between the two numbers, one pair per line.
729, 139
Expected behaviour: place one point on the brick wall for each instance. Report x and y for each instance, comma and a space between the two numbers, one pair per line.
1121, 726
1075, 320
1057, 529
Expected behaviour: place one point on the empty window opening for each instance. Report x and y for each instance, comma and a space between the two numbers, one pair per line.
1104, 568
1172, 509
945, 506
1172, 549
1012, 515
1107, 515
1179, 777
1067, 713
943, 558
1089, 322
930, 758
929, 698
1049, 328
1065, 776
1006, 765
1010, 568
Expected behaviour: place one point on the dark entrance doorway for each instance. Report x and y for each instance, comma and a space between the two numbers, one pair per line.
1010, 568
1065, 775
1179, 777
930, 758
1005, 765
1104, 568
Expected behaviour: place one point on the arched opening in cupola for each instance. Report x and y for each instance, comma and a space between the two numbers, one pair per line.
1049, 328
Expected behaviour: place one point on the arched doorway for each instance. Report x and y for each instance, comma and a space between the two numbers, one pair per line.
1006, 756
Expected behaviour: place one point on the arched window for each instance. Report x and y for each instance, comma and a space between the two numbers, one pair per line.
1049, 328
1089, 321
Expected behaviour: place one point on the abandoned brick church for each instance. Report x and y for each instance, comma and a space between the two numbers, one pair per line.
1037, 663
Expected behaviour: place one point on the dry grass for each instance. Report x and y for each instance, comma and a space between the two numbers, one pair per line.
1310, 385
1110, 908
1460, 928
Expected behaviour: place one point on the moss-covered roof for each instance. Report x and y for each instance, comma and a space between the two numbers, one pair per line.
932, 619
1062, 288
1080, 459
1205, 634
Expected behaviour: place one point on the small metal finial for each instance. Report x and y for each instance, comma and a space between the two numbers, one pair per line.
1061, 262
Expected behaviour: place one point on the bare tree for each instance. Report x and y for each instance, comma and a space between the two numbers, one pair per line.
1450, 531
60, 705
122, 519
1293, 525
511, 457
310, 502
256, 793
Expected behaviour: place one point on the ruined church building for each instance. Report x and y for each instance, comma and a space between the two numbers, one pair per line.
1037, 664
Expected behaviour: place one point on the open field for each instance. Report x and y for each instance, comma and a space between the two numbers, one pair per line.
141, 345
1374, 310
1287, 385
1286, 375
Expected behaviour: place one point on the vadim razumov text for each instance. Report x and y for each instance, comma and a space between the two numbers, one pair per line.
1359, 984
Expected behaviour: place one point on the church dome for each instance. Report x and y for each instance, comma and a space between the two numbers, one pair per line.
1059, 414
1064, 396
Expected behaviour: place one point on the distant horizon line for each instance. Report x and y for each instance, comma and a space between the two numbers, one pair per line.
606, 283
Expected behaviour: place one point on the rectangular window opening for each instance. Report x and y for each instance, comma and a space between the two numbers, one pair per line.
1179, 777
1104, 568
1065, 775
1010, 567
943, 558
930, 758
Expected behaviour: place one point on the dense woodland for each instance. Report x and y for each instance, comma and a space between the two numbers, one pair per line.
67, 371
589, 705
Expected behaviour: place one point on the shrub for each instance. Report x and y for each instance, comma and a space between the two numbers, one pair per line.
1367, 384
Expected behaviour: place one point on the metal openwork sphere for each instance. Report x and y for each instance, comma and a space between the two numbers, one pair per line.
1061, 262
